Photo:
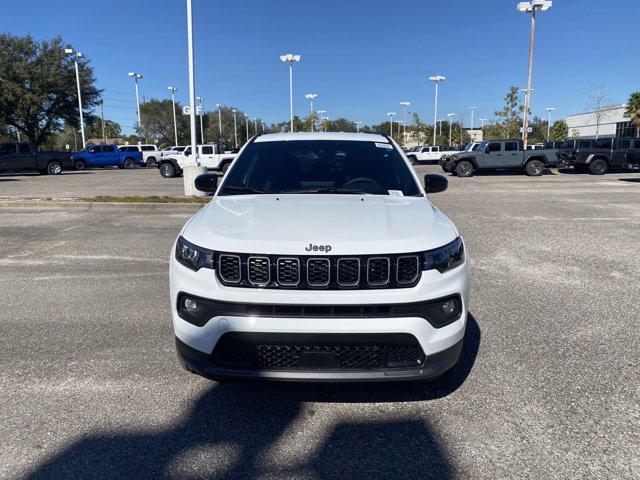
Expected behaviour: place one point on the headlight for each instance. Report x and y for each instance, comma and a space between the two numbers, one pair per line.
445, 258
192, 256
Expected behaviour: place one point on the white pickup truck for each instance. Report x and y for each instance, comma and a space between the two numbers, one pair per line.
150, 153
210, 156
430, 154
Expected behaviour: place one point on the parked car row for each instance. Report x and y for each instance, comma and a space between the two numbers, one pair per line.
595, 156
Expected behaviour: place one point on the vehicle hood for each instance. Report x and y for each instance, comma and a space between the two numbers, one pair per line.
350, 224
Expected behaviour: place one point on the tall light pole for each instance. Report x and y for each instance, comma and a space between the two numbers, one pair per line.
235, 127
255, 124
391, 115
436, 79
136, 77
358, 126
404, 119
290, 58
549, 110
76, 56
450, 115
482, 120
326, 122
220, 119
246, 122
530, 7
193, 168
173, 91
200, 99
311, 97
527, 92
473, 109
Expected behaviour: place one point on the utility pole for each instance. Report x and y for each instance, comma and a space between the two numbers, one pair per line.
104, 137
358, 126
311, 97
390, 115
255, 124
246, 122
530, 7
173, 102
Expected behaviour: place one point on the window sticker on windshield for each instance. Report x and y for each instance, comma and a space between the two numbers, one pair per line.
396, 193
383, 145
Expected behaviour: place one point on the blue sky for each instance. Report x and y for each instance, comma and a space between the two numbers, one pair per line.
360, 57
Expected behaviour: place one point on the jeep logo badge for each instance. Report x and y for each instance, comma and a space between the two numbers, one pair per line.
318, 248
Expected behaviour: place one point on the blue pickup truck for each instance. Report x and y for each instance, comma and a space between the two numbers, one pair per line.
105, 156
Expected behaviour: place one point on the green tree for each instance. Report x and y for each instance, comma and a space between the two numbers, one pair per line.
212, 126
510, 115
38, 86
633, 110
559, 130
157, 123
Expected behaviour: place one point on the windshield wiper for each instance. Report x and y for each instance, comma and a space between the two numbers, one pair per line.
349, 191
242, 189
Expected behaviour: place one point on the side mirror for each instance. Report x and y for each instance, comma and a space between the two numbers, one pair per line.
207, 182
435, 183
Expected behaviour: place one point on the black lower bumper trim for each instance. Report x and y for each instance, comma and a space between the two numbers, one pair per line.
432, 366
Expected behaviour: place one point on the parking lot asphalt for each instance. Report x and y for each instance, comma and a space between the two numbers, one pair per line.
547, 386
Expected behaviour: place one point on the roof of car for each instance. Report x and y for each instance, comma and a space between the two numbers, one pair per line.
347, 136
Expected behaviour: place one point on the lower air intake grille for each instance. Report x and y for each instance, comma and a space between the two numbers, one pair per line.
232, 351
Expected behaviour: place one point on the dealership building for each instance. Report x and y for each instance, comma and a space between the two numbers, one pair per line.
613, 122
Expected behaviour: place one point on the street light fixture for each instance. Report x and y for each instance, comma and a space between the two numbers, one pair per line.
76, 56
311, 97
549, 110
290, 58
391, 115
530, 7
235, 127
136, 77
436, 79
450, 115
404, 119
200, 99
173, 91
358, 126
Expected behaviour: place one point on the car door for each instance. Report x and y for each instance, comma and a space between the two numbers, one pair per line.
8, 153
207, 157
493, 156
512, 156
619, 153
92, 157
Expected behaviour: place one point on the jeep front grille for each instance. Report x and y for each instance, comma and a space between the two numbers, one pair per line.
318, 272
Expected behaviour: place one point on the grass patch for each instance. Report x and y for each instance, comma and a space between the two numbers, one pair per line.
149, 199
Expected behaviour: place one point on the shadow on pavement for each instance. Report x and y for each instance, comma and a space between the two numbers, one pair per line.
632, 180
233, 430
9, 179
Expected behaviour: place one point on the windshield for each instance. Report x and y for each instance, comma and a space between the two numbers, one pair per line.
320, 166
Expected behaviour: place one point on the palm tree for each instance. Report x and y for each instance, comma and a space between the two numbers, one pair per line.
633, 110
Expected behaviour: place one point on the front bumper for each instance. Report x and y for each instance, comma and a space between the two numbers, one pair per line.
440, 346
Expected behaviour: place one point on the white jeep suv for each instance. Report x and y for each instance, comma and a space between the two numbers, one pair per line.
319, 258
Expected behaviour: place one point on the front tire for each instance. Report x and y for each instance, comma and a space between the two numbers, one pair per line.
54, 168
80, 165
534, 168
598, 167
167, 170
129, 163
151, 162
464, 169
